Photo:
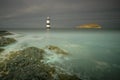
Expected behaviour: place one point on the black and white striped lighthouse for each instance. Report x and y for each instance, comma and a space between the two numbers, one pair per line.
48, 23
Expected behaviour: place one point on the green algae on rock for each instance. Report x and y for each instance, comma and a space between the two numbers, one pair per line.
56, 49
6, 41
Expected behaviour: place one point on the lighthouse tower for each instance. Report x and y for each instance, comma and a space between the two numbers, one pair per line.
48, 23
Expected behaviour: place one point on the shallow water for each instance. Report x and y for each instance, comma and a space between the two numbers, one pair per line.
93, 54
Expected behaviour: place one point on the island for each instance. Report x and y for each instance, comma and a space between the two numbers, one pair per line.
91, 25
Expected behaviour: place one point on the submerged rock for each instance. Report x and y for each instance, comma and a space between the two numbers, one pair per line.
27, 64
56, 49
6, 41
1, 49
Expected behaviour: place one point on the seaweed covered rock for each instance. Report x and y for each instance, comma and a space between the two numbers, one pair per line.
6, 41
3, 33
27, 64
1, 49
56, 49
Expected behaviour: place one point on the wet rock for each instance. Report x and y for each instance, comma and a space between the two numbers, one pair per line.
6, 41
56, 49
4, 33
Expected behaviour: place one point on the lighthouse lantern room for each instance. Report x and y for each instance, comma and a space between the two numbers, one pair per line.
48, 23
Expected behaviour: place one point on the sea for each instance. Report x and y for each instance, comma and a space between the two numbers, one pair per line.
94, 54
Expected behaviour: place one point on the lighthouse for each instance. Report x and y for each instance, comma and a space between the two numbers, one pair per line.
48, 23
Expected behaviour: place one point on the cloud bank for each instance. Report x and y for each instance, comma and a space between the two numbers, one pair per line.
64, 13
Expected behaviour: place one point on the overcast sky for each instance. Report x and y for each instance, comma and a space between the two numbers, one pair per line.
63, 13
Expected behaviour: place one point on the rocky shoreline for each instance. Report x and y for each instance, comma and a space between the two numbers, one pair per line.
28, 64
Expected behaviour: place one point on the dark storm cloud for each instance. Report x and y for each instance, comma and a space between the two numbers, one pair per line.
64, 13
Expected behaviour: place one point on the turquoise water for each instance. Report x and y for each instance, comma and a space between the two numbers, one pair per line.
93, 54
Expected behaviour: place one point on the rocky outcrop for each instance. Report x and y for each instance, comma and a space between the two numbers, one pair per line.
4, 33
27, 64
89, 26
6, 41
56, 49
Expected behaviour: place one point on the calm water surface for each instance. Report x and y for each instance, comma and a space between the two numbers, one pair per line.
93, 54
